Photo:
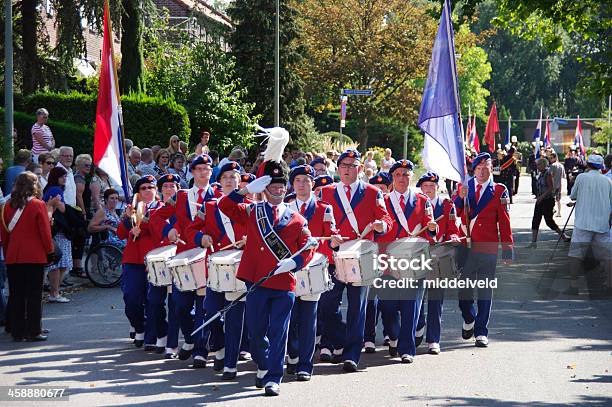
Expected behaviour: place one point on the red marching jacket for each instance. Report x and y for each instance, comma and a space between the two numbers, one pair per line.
368, 205
445, 215
258, 260
30, 241
147, 240
208, 222
489, 218
418, 214
321, 223
178, 213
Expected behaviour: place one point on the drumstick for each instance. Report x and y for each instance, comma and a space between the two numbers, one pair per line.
366, 230
329, 237
424, 229
451, 241
233, 244
181, 241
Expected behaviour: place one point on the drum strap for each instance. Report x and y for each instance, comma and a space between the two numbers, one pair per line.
275, 244
401, 216
348, 210
227, 225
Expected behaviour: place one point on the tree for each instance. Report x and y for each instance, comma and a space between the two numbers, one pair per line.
132, 79
474, 70
202, 77
366, 44
252, 44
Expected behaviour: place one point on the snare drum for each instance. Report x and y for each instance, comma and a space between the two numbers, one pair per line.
409, 248
222, 270
188, 269
157, 272
443, 262
314, 278
355, 262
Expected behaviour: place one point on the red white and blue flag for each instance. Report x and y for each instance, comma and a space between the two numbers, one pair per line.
547, 142
536, 137
578, 139
108, 138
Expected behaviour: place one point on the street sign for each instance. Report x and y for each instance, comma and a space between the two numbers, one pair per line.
363, 92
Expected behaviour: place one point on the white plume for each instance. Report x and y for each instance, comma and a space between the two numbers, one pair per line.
277, 138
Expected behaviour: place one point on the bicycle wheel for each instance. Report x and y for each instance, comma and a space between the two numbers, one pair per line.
103, 265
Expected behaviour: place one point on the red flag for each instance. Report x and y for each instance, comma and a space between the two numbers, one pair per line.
475, 136
492, 129
468, 131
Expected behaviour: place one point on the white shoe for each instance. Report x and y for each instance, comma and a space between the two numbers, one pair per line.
434, 349
59, 298
482, 341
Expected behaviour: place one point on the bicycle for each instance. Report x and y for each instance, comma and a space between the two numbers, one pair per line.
103, 264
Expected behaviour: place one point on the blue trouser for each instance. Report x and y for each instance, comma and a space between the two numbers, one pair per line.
302, 333
184, 302
478, 266
434, 314
244, 343
134, 288
404, 330
268, 313
369, 333
337, 335
173, 326
157, 326
2, 285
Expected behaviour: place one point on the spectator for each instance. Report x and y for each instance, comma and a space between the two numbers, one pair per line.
177, 167
332, 167
42, 137
86, 199
237, 155
202, 146
147, 164
183, 147
47, 162
558, 173
36, 169
100, 183
106, 220
545, 203
248, 166
22, 160
173, 145
128, 144
27, 244
161, 162
155, 149
592, 192
370, 163
607, 163
66, 156
574, 165
387, 161
319, 165
53, 196
134, 157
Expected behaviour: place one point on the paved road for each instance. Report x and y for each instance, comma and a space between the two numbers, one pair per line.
542, 353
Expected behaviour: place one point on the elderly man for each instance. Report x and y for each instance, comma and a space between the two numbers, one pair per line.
134, 159
147, 165
65, 161
592, 192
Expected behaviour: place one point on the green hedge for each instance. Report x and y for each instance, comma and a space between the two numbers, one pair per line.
147, 120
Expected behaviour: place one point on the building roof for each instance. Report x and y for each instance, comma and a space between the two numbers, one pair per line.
203, 7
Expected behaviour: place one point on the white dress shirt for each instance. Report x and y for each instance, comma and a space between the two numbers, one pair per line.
70, 187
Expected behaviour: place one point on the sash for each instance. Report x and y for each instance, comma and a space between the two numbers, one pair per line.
270, 237
227, 225
16, 216
401, 216
346, 206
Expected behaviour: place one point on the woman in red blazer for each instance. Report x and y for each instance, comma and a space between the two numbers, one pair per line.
27, 244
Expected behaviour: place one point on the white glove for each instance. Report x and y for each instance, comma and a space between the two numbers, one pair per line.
259, 184
285, 265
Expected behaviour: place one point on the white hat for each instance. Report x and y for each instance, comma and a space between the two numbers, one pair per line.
595, 160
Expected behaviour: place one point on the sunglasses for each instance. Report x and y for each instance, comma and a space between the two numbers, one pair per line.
50, 162
145, 188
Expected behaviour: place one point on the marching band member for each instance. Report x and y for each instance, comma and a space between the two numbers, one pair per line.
360, 210
445, 215
173, 218
139, 242
489, 223
412, 213
274, 232
213, 229
302, 328
158, 330
382, 180
320, 182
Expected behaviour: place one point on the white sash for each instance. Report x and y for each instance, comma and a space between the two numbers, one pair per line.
402, 216
17, 216
227, 225
348, 210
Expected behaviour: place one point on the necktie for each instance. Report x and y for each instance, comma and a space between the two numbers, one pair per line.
303, 208
275, 214
478, 188
347, 188
200, 196
403, 203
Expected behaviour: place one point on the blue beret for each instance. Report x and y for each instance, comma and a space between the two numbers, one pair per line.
230, 166
301, 170
318, 160
352, 153
480, 158
168, 178
147, 179
248, 177
381, 178
401, 164
323, 180
428, 177
201, 159
289, 197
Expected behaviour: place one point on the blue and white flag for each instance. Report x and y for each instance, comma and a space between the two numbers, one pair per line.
536, 137
444, 150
